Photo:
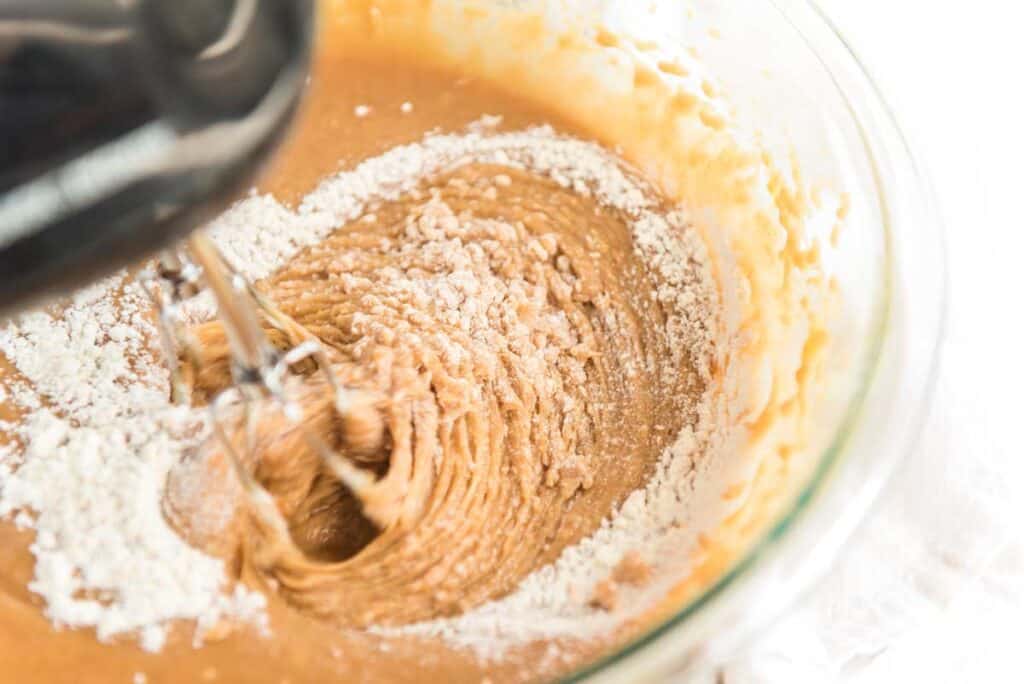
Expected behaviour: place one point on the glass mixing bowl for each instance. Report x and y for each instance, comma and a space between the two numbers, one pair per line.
791, 77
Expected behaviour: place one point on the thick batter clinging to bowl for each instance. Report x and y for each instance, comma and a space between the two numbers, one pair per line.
579, 301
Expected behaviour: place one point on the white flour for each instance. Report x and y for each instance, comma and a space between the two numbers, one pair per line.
100, 435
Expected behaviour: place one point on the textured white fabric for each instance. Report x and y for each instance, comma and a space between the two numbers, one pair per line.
932, 587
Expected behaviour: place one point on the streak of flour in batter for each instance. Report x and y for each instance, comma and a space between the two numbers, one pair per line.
109, 369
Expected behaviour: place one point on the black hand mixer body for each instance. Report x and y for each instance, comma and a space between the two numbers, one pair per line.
126, 123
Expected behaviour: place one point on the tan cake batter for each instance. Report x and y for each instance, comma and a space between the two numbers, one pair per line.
512, 426
543, 419
514, 423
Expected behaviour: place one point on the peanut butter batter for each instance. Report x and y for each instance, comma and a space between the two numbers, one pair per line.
513, 426
516, 420
512, 432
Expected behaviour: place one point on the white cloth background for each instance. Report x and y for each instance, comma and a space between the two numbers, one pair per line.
932, 587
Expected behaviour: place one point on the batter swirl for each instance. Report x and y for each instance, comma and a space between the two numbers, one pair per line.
519, 349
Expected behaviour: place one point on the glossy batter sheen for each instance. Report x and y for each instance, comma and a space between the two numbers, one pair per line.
510, 434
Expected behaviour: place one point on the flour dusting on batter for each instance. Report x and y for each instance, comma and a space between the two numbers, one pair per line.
592, 328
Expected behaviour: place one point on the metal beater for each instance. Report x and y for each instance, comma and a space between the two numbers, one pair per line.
258, 368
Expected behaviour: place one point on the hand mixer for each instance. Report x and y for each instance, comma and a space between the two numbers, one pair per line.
123, 125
